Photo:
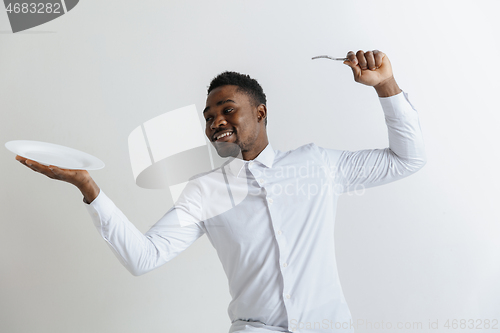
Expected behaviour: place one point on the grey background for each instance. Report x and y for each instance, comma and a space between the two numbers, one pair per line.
423, 248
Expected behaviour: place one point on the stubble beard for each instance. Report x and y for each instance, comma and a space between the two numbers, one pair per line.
236, 148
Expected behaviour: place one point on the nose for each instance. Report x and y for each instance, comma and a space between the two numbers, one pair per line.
218, 121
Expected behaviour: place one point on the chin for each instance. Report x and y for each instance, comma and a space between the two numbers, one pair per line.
227, 149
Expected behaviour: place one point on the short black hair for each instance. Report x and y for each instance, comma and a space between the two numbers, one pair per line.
245, 84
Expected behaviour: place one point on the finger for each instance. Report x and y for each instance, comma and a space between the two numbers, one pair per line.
361, 59
35, 166
353, 63
370, 60
43, 169
352, 58
21, 159
59, 173
71, 176
379, 58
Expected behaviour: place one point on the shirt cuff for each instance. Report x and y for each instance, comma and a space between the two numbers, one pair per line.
397, 105
101, 208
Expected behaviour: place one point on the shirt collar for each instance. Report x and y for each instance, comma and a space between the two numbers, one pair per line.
266, 157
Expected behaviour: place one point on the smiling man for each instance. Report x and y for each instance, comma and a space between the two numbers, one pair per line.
236, 116
269, 214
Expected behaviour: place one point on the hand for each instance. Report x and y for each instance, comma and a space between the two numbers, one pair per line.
373, 68
79, 178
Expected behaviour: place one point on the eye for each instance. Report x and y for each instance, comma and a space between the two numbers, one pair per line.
207, 119
228, 110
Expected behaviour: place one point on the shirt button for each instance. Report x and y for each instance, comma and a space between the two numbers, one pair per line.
279, 232
285, 264
250, 163
261, 181
287, 296
270, 200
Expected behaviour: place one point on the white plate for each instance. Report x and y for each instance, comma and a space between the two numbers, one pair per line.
51, 154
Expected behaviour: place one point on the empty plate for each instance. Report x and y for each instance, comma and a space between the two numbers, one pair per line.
51, 154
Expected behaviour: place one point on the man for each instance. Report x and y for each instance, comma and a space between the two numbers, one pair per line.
271, 223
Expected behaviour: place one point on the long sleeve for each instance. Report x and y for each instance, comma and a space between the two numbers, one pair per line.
138, 252
372, 167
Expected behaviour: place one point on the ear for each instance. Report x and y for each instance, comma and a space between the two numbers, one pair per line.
261, 112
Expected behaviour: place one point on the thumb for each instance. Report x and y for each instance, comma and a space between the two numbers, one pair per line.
53, 169
356, 70
56, 171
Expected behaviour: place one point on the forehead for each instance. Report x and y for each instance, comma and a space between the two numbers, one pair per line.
226, 92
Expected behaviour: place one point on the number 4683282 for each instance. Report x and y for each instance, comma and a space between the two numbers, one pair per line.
34, 8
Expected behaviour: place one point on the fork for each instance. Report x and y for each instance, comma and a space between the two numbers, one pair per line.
328, 57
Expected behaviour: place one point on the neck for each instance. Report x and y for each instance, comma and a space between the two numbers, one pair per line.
253, 153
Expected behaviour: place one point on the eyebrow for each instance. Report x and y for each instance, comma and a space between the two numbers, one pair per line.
220, 103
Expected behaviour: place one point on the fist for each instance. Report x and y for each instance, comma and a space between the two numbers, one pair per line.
370, 68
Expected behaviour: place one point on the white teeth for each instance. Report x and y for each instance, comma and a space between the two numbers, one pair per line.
223, 135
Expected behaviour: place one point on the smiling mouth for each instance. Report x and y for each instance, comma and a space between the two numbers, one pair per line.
224, 136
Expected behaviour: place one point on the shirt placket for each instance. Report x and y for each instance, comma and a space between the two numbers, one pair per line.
281, 236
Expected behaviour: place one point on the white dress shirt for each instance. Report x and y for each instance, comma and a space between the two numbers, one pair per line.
271, 221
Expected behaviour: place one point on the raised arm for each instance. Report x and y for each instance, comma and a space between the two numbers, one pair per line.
406, 152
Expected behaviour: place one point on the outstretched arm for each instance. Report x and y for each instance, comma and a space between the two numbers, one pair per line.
138, 252
80, 178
